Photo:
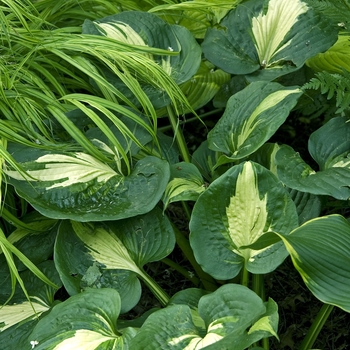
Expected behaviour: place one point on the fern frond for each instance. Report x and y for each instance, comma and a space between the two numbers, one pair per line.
332, 84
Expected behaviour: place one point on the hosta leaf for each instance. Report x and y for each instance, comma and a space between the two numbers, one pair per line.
20, 308
228, 312
190, 297
205, 159
329, 146
320, 252
186, 183
80, 187
251, 117
196, 15
146, 29
335, 59
203, 86
35, 241
234, 211
92, 256
308, 205
268, 39
79, 271
234, 85
84, 321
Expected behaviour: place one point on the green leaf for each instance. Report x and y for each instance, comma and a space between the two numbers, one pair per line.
308, 205
95, 256
79, 271
228, 312
251, 117
191, 297
21, 309
320, 252
84, 321
205, 159
203, 86
35, 240
235, 210
185, 184
335, 59
80, 187
329, 146
268, 39
146, 29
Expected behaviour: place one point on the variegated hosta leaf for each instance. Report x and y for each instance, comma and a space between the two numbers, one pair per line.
20, 310
335, 59
185, 184
232, 311
308, 205
251, 117
235, 210
93, 256
330, 147
85, 321
268, 40
80, 187
146, 29
320, 252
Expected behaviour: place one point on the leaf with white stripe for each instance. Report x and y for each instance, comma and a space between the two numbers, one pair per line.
80, 187
235, 210
268, 38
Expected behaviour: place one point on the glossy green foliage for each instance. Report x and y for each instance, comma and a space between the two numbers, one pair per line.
107, 190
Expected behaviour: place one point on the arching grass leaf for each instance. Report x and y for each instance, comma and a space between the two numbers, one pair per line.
15, 314
235, 210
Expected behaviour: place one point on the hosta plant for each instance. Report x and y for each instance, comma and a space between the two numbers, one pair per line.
99, 181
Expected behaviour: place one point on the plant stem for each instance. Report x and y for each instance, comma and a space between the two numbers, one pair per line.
187, 210
258, 285
193, 119
180, 140
316, 327
245, 277
259, 289
188, 274
207, 281
155, 288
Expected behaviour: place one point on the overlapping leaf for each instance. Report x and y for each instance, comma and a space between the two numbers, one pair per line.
232, 311
234, 211
186, 183
146, 29
319, 251
330, 147
80, 187
251, 117
20, 315
84, 321
268, 40
335, 59
92, 256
